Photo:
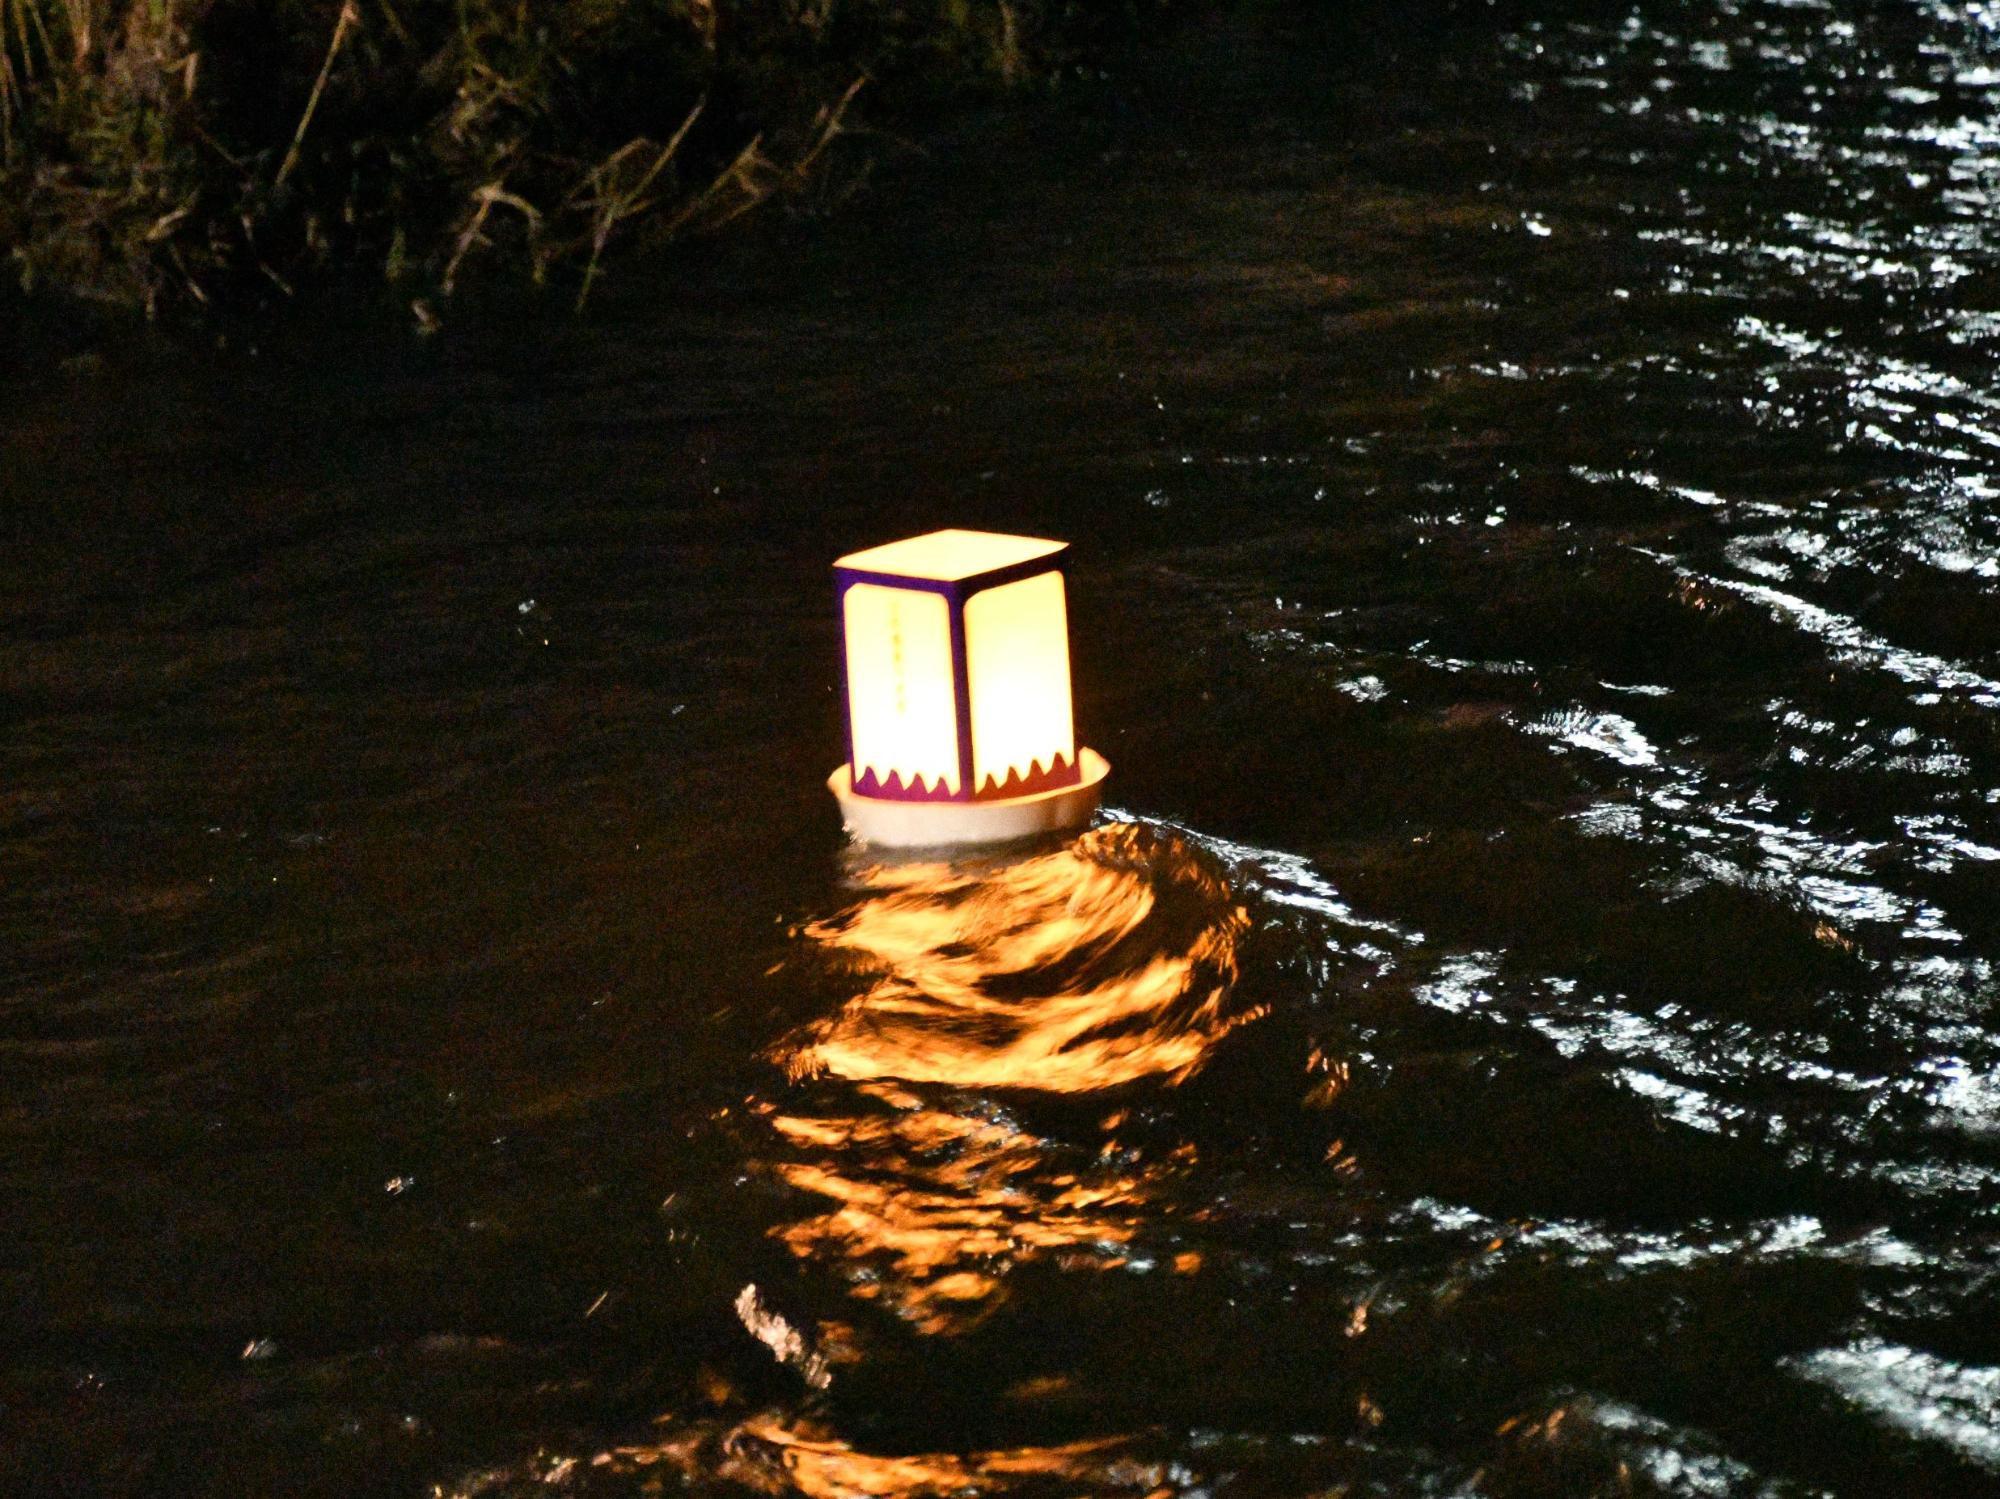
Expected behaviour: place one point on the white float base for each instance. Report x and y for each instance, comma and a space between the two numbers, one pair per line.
894, 824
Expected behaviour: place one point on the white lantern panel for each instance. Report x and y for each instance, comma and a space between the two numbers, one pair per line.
900, 702
1017, 668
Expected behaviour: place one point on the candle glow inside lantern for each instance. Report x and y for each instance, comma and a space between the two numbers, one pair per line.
959, 727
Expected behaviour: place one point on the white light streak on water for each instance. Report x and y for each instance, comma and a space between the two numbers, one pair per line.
1850, 643
1857, 646
1285, 879
1915, 1392
1462, 984
1608, 734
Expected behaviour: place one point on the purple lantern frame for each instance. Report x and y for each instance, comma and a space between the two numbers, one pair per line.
957, 592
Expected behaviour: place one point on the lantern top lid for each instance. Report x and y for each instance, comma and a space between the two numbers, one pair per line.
950, 556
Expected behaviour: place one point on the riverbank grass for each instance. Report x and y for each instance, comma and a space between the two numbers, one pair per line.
164, 153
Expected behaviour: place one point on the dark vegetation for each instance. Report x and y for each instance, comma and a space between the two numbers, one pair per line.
156, 153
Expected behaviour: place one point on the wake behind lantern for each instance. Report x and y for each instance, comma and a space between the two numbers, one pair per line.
958, 703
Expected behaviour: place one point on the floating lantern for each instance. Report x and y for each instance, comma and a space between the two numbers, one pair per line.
958, 705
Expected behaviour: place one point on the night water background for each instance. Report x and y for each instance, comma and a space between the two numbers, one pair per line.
1527, 1023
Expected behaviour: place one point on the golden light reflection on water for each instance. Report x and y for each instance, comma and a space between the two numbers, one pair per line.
932, 1209
1098, 964
770, 1455
1105, 963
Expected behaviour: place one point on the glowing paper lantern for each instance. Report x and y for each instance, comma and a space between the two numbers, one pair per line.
958, 702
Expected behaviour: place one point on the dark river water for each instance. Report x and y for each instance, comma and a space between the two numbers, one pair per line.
1526, 1023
